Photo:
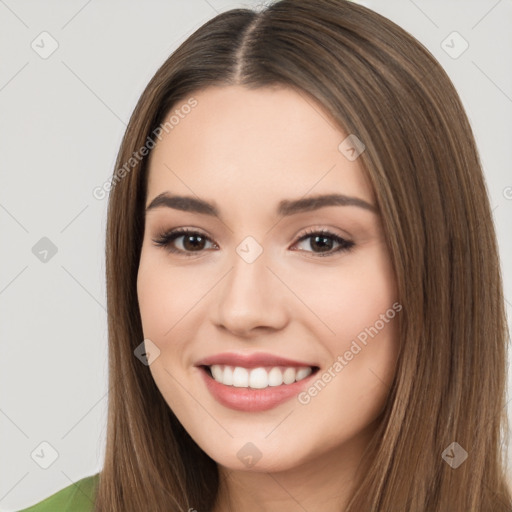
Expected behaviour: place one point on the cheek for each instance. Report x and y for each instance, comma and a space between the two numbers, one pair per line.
348, 299
165, 295
170, 303
153, 300
162, 303
351, 391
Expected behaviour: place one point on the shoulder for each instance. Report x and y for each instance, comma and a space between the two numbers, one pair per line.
77, 497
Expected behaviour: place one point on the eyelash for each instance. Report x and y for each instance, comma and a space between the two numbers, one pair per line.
164, 240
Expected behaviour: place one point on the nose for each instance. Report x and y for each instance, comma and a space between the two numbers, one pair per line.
251, 299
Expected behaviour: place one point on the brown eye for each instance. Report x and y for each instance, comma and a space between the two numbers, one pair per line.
322, 242
187, 240
193, 242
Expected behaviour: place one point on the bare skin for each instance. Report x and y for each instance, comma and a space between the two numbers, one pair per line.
245, 151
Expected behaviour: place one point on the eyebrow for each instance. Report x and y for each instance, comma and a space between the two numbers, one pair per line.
285, 207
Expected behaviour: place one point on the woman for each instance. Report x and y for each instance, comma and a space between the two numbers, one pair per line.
304, 294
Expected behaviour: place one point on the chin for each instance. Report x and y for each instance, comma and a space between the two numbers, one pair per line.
255, 453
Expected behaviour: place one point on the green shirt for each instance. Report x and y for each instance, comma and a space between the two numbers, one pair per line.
77, 497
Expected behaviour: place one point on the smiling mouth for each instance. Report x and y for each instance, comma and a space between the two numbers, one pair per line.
258, 378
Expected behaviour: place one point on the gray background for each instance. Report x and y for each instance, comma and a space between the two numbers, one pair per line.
62, 121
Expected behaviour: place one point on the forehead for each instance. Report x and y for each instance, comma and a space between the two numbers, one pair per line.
249, 145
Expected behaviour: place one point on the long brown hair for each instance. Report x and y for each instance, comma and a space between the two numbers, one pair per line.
378, 82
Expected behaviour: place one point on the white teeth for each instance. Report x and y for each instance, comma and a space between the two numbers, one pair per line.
240, 377
289, 375
258, 378
227, 377
275, 377
302, 373
217, 372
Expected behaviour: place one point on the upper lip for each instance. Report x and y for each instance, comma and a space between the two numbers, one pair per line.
254, 360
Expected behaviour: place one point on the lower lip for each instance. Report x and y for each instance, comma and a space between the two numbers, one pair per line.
253, 400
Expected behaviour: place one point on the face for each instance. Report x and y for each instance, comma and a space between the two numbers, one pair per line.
273, 319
